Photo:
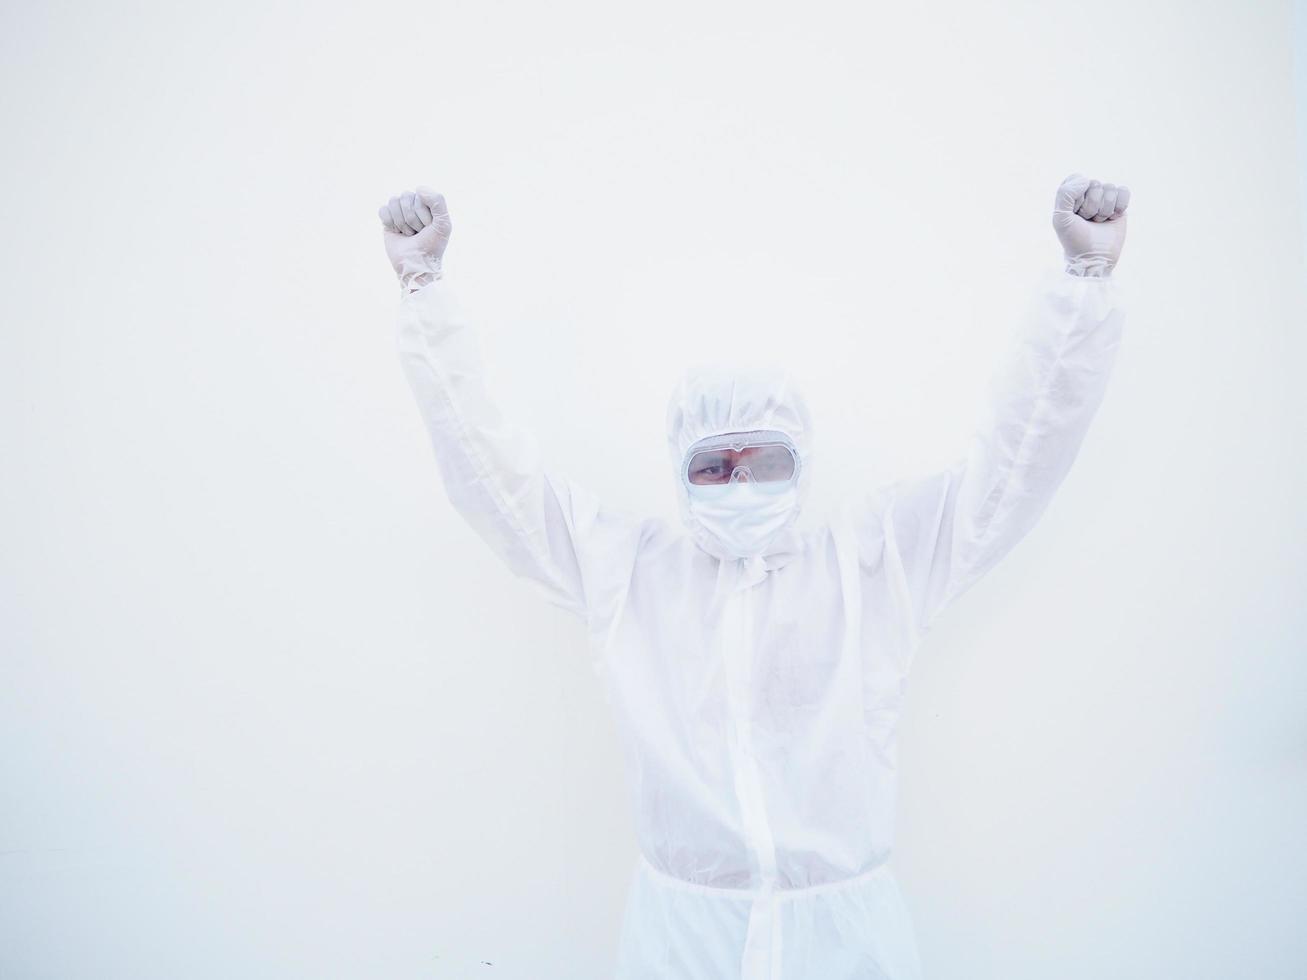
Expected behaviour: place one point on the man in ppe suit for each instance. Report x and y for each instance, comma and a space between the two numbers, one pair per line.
757, 671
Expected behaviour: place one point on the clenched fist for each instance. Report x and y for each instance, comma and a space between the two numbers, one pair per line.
1089, 218
416, 228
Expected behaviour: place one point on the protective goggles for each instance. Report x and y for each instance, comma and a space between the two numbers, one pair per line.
763, 457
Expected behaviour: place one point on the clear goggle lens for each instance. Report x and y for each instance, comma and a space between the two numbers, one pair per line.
772, 463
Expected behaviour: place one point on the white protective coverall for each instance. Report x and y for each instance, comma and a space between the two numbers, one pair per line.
757, 698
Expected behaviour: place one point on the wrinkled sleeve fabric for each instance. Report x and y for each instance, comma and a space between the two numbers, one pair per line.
546, 529
947, 529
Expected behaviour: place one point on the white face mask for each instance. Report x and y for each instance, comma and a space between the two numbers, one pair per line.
744, 516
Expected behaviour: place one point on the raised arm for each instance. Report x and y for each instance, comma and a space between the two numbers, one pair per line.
944, 531
545, 528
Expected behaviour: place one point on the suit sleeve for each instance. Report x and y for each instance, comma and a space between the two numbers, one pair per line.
945, 530
545, 528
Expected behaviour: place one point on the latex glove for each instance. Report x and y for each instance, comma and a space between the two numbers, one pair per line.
416, 229
1089, 217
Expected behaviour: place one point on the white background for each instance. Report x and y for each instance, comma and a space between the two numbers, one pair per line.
269, 709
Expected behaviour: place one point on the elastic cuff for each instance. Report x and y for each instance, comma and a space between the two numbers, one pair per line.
416, 271
411, 284
1089, 267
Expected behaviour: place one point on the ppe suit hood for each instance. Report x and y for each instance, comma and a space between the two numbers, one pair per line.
717, 398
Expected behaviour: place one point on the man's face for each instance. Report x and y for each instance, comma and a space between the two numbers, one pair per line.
742, 488
740, 438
